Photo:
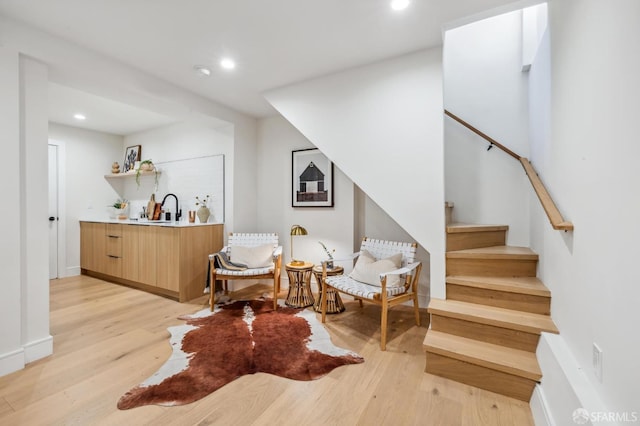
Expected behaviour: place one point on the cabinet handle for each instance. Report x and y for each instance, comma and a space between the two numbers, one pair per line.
113, 236
113, 257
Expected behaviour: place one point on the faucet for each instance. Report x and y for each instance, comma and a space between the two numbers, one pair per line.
178, 212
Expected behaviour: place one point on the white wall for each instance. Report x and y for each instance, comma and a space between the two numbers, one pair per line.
484, 85
24, 336
371, 221
87, 192
382, 125
333, 226
11, 351
590, 167
179, 141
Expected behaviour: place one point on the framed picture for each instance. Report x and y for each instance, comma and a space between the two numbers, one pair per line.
131, 155
311, 179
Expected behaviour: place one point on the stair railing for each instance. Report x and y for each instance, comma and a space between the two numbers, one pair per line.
554, 215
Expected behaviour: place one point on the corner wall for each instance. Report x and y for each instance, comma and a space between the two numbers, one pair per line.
484, 86
381, 124
24, 306
589, 164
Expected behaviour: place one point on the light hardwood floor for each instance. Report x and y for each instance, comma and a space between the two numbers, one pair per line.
108, 338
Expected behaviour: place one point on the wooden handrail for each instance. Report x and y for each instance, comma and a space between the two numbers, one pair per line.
550, 208
482, 135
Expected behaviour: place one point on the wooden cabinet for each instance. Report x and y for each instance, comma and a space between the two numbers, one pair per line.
130, 252
147, 255
92, 246
168, 260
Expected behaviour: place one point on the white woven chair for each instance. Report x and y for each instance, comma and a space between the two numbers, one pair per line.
270, 272
383, 296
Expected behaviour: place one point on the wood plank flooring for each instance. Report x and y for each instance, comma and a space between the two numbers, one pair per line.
108, 338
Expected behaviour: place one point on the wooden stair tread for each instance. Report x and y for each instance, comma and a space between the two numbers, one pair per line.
496, 357
454, 228
522, 285
495, 252
489, 315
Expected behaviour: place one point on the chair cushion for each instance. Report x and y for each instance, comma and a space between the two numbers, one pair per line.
355, 288
247, 272
254, 257
368, 269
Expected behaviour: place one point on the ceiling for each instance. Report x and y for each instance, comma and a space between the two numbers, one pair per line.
274, 43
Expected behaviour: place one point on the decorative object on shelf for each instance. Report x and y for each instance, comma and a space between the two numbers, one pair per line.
203, 212
151, 206
131, 155
115, 168
296, 230
329, 262
119, 208
146, 166
311, 179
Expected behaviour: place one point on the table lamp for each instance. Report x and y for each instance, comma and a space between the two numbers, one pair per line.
296, 230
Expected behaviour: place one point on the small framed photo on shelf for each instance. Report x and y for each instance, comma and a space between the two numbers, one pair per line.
131, 155
311, 179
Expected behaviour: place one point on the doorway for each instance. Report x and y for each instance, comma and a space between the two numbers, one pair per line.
57, 254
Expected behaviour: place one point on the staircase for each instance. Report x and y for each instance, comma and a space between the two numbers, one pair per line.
486, 332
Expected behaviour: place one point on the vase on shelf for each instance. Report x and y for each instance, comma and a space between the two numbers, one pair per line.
203, 214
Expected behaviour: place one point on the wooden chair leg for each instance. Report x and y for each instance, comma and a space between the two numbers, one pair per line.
324, 302
212, 290
383, 328
275, 293
415, 309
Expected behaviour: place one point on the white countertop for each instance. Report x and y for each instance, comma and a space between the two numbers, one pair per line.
181, 224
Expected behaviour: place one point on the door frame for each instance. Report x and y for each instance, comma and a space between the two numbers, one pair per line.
62, 211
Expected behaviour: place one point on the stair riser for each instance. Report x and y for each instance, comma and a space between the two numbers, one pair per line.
491, 267
485, 333
481, 377
469, 240
500, 299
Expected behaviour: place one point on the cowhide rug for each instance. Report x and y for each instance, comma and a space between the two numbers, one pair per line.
242, 337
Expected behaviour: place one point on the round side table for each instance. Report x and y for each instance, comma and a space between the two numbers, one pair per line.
300, 295
334, 303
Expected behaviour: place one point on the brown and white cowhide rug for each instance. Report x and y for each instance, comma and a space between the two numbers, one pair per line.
242, 337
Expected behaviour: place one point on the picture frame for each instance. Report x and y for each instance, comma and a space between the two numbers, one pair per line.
311, 179
131, 155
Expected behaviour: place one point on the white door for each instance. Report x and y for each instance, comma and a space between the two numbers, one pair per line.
53, 212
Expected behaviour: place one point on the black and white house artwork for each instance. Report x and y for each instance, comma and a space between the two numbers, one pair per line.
312, 179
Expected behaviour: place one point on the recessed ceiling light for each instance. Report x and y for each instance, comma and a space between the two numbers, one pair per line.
204, 71
399, 4
79, 117
227, 63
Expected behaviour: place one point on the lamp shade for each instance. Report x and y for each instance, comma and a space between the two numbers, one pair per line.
298, 230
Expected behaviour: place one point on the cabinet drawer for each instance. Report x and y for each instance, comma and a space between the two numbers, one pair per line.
114, 229
114, 246
113, 266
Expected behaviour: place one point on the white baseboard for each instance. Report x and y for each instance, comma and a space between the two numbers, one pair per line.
564, 387
72, 271
540, 408
11, 361
38, 349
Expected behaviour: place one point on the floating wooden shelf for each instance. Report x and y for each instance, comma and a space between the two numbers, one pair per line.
133, 175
